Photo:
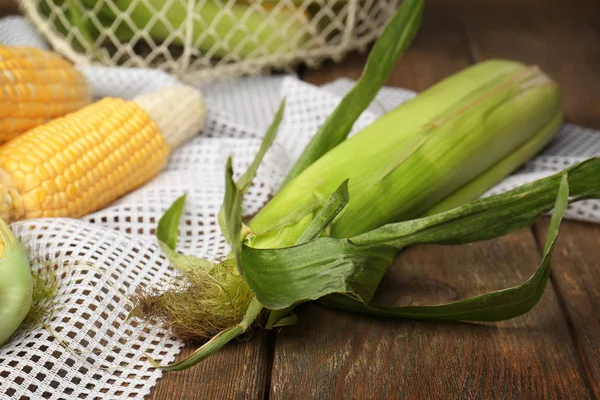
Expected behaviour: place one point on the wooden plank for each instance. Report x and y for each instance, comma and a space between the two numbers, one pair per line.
336, 355
238, 371
562, 39
568, 49
576, 275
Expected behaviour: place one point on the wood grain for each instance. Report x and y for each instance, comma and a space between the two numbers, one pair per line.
576, 275
563, 39
335, 355
238, 371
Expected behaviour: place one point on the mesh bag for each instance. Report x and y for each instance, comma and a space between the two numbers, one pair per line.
87, 348
205, 39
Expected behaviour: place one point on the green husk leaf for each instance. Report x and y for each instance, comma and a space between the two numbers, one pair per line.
336, 203
167, 230
479, 185
393, 42
276, 317
218, 341
232, 211
494, 306
490, 217
243, 184
312, 204
285, 321
16, 283
284, 277
184, 263
246, 180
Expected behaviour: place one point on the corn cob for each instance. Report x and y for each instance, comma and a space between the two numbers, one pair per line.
37, 86
16, 284
423, 152
79, 163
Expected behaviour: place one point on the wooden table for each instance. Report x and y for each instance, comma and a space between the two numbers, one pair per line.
552, 352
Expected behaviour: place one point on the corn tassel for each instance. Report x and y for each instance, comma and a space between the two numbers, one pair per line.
37, 86
80, 163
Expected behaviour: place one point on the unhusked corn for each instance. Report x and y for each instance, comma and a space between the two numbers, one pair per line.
442, 148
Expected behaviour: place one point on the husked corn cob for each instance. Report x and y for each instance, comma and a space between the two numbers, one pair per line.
79, 163
37, 86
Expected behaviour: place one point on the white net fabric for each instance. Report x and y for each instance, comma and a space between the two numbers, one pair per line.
88, 349
200, 39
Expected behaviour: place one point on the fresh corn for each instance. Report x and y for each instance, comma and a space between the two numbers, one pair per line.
484, 121
37, 86
328, 233
16, 284
78, 164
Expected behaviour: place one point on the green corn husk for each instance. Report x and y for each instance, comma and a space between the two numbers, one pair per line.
348, 207
16, 283
444, 147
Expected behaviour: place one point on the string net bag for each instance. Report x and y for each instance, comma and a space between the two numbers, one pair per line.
86, 347
208, 39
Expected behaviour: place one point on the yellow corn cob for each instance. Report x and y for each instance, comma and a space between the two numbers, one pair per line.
79, 163
37, 86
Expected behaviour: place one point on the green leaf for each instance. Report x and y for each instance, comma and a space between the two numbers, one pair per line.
283, 277
489, 217
336, 203
305, 207
246, 180
286, 321
393, 42
184, 263
168, 225
495, 306
276, 317
216, 343
232, 212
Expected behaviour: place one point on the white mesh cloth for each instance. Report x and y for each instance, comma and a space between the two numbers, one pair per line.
88, 349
